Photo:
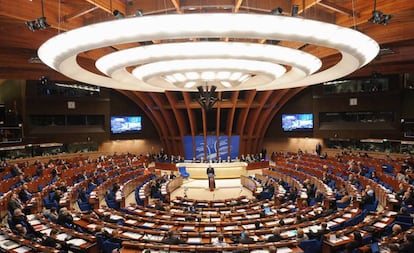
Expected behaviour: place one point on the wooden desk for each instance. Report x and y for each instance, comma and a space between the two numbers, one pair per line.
222, 170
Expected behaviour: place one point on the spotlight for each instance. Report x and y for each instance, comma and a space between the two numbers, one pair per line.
295, 10
118, 14
41, 23
376, 17
386, 19
31, 25
277, 11
139, 13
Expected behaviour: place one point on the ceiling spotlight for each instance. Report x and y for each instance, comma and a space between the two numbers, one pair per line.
376, 17
295, 10
386, 19
118, 14
277, 11
41, 22
31, 25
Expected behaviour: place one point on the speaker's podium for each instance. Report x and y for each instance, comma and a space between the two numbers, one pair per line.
211, 180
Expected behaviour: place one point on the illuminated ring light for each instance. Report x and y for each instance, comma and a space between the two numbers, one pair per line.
60, 52
206, 70
114, 64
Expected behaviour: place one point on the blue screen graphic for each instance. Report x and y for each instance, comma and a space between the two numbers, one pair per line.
125, 124
297, 122
215, 147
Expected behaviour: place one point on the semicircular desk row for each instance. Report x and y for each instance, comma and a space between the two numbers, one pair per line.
141, 232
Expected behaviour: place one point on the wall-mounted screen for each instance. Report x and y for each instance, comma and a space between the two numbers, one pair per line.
125, 124
297, 122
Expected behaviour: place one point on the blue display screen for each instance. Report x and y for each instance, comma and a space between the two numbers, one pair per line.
222, 146
125, 124
297, 122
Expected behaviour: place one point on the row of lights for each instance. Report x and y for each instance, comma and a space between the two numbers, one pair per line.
37, 24
227, 79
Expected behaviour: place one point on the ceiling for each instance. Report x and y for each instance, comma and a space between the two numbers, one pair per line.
177, 114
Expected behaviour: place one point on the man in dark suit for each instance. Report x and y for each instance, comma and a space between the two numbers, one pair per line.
211, 174
210, 171
171, 238
318, 234
246, 239
275, 237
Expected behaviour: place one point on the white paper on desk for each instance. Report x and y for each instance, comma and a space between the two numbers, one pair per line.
30, 216
283, 210
131, 235
390, 213
8, 244
385, 219
166, 226
166, 217
62, 236
91, 226
347, 215
248, 226
331, 223
130, 222
148, 224
215, 219
188, 228
22, 249
241, 210
284, 250
149, 214
116, 217
236, 217
355, 210
156, 238
34, 222
380, 224
253, 216
194, 240
230, 228
339, 220
109, 230
289, 220
225, 212
76, 241
46, 231
210, 229
271, 223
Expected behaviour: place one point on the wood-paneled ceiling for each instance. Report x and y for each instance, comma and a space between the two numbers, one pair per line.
177, 114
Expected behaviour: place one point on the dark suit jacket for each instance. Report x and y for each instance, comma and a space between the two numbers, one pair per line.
210, 170
274, 238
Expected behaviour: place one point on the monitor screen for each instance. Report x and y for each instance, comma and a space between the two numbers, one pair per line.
125, 124
297, 122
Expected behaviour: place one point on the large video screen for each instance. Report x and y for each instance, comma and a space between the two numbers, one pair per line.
125, 124
297, 122
221, 146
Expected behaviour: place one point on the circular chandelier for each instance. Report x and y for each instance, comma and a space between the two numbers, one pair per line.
185, 60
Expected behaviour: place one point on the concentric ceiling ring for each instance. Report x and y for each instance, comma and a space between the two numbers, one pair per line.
60, 52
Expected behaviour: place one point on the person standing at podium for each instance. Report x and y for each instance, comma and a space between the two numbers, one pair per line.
211, 175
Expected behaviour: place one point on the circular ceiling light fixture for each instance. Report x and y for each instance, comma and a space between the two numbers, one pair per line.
179, 65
